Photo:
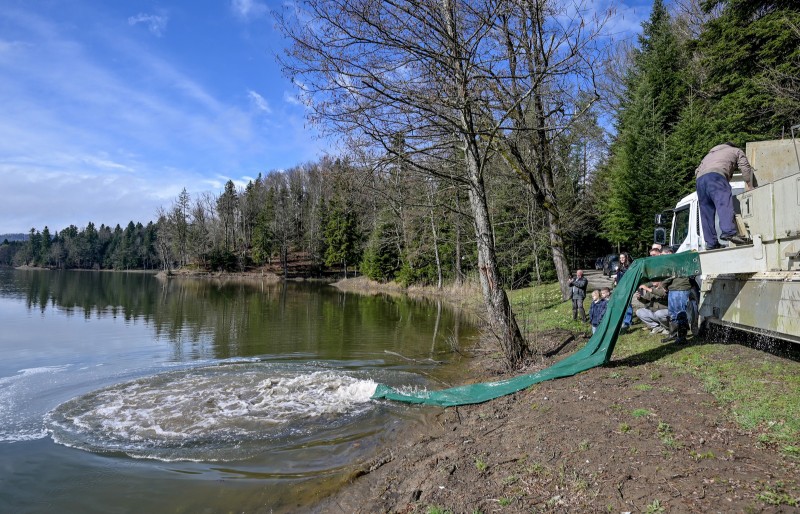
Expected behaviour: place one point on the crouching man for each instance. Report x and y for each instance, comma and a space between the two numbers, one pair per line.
655, 314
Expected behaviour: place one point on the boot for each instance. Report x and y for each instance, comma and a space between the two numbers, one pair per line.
682, 328
673, 333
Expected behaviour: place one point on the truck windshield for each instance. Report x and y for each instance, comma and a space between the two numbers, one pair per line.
680, 225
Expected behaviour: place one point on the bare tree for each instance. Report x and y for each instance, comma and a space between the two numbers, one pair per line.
543, 85
376, 70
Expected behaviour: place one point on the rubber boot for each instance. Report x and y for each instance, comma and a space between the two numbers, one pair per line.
682, 328
673, 333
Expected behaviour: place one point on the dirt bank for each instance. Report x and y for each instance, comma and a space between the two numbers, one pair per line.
632, 436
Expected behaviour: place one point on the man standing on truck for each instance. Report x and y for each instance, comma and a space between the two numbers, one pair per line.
714, 192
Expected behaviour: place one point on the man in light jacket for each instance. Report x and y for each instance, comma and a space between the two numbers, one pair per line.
714, 192
577, 291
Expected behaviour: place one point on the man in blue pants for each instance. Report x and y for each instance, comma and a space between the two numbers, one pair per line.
714, 192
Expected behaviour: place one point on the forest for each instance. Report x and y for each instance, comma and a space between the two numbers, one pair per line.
512, 140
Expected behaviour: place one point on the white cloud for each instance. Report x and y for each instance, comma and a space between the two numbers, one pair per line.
260, 103
105, 196
97, 127
249, 9
155, 23
7, 48
292, 99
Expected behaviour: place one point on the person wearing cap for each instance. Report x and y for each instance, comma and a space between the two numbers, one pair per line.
714, 193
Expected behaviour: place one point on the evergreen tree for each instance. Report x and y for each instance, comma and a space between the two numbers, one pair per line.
749, 46
642, 179
381, 259
342, 237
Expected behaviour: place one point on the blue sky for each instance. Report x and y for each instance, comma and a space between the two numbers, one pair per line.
108, 109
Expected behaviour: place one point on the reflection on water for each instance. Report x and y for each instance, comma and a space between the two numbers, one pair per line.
230, 395
223, 319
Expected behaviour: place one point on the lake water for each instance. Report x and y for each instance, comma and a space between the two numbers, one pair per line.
122, 392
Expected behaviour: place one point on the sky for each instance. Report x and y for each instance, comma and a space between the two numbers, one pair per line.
109, 109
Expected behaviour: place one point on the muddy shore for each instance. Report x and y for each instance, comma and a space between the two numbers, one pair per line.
632, 436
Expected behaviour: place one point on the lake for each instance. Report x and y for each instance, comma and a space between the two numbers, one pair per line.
123, 392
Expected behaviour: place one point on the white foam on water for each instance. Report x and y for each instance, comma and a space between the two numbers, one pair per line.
207, 406
17, 423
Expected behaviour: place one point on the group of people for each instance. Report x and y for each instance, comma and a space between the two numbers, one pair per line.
664, 307
669, 306
577, 294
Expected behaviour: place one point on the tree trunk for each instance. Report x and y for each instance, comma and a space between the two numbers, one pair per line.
435, 236
436, 252
457, 223
501, 319
543, 152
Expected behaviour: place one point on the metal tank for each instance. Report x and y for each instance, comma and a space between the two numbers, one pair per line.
754, 287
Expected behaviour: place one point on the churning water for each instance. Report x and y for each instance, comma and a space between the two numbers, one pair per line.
215, 413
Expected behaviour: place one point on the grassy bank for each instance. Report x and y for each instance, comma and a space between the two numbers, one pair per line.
761, 389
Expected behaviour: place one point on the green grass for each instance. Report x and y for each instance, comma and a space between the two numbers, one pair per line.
700, 456
541, 308
775, 495
654, 507
434, 509
640, 413
762, 392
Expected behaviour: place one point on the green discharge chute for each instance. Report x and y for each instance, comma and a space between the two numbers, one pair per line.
596, 352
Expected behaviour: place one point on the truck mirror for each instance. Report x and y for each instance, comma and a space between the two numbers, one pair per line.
660, 236
661, 219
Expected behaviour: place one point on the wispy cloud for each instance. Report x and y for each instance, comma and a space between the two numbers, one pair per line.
292, 98
156, 23
249, 9
259, 102
96, 125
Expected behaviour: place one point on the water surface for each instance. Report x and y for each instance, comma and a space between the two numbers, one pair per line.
121, 392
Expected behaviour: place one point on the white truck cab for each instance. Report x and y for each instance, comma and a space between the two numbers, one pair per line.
687, 231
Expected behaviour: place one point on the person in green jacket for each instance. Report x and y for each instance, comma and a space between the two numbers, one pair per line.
655, 313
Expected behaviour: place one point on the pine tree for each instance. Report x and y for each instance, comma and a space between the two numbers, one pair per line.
749, 46
642, 179
341, 237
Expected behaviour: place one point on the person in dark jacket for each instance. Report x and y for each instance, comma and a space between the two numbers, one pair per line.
577, 292
682, 305
597, 309
625, 262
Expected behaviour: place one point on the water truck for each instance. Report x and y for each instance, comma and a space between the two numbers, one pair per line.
751, 287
